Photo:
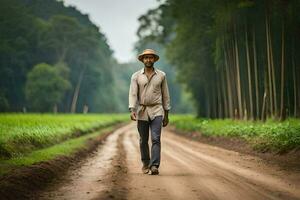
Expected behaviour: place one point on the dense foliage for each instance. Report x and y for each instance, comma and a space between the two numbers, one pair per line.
45, 31
239, 58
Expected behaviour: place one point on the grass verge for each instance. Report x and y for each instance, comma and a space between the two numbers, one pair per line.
23, 133
66, 148
270, 136
25, 177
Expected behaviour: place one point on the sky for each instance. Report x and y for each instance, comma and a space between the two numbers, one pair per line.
118, 20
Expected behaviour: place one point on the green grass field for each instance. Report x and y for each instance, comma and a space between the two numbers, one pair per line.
26, 139
269, 136
65, 148
23, 133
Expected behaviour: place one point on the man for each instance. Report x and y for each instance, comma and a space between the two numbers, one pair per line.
149, 104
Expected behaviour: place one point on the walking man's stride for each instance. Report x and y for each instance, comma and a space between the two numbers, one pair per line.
149, 105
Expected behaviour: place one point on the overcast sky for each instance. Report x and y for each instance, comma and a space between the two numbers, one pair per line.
117, 19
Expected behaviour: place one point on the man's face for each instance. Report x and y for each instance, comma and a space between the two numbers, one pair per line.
148, 60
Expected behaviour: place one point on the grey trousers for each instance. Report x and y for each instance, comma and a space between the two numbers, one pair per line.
155, 126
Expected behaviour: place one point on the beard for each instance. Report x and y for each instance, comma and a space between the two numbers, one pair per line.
149, 64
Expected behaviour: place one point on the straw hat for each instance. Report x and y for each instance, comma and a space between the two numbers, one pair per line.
148, 52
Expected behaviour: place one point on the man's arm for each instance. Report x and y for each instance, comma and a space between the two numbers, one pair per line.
133, 91
166, 101
165, 94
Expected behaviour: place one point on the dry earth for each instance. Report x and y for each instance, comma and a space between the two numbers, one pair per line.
189, 170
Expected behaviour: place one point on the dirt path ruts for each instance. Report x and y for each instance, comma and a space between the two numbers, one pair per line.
189, 170
97, 176
192, 170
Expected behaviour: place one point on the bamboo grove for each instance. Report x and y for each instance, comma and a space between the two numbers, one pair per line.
239, 58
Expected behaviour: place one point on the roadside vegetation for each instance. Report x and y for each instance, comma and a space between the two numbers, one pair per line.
29, 138
239, 59
266, 136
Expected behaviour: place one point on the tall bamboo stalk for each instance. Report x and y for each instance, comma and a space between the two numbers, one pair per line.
273, 77
219, 97
282, 117
255, 75
229, 88
238, 76
294, 82
269, 77
249, 75
224, 95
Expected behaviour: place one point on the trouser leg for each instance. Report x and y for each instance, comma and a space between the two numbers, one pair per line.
143, 129
155, 127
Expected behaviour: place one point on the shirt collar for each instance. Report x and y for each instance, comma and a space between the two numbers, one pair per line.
143, 70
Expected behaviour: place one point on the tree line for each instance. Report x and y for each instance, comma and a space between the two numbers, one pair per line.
52, 57
239, 58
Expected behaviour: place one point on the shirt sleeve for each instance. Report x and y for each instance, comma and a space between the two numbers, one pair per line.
165, 94
133, 92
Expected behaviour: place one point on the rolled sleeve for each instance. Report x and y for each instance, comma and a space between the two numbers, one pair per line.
133, 93
165, 95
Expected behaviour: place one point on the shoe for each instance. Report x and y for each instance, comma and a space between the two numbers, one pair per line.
145, 169
154, 170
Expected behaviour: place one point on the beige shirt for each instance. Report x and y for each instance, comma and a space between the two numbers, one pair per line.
153, 93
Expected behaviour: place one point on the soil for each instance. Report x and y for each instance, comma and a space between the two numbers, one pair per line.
286, 160
189, 170
26, 182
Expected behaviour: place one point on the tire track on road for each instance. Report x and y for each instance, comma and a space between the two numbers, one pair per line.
94, 175
188, 171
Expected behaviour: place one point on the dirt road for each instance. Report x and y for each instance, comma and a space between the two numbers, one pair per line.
189, 170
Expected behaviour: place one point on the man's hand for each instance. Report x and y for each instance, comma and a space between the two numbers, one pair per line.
133, 116
166, 118
165, 121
